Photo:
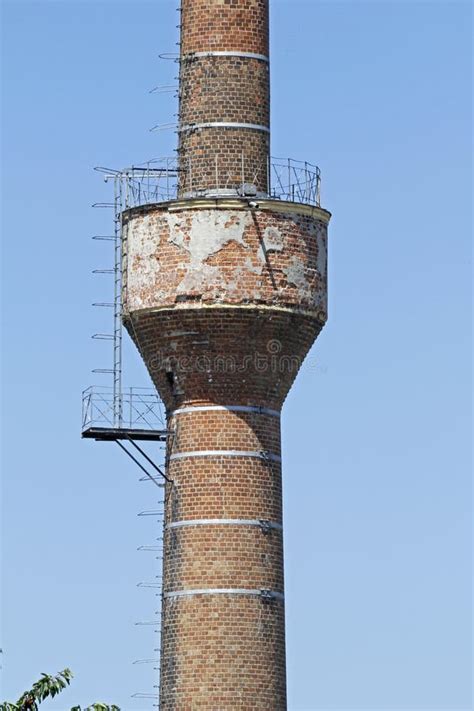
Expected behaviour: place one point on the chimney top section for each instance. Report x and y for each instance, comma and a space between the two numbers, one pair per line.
224, 90
224, 25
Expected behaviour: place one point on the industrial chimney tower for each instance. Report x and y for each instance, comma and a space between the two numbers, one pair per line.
224, 290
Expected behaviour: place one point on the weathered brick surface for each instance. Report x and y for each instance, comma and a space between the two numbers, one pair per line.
226, 253
227, 556
210, 25
224, 488
242, 356
223, 653
233, 337
245, 431
220, 157
224, 89
224, 302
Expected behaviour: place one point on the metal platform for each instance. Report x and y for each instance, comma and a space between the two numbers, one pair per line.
112, 434
135, 414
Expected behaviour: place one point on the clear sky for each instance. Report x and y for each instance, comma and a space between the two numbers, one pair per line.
376, 474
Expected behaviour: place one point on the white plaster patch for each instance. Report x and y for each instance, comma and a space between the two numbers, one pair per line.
177, 227
257, 269
199, 278
174, 334
210, 230
208, 233
143, 265
273, 241
322, 260
319, 234
296, 275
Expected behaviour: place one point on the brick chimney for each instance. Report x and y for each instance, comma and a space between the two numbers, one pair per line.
224, 292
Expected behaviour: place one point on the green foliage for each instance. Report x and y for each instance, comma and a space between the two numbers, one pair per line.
48, 687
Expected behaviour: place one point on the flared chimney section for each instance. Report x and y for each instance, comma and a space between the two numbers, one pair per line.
224, 292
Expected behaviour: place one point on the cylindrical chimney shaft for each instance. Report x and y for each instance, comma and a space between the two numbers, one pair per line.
224, 116
224, 298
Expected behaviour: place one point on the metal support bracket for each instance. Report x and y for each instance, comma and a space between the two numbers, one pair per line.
266, 526
145, 456
269, 596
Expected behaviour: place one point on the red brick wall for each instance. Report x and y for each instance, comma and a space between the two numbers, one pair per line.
229, 89
240, 25
275, 256
224, 356
219, 158
224, 89
223, 651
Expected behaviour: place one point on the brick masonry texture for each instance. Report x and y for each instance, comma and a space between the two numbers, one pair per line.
215, 653
227, 556
224, 488
230, 255
223, 652
222, 159
223, 302
213, 25
223, 356
244, 431
224, 89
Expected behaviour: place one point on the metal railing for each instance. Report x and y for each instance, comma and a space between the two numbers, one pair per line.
141, 409
295, 181
159, 180
151, 182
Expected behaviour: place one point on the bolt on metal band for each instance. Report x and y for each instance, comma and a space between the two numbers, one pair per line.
261, 523
264, 594
244, 55
227, 408
223, 124
265, 456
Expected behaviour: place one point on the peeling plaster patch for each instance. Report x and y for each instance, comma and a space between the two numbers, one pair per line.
273, 241
173, 334
322, 260
199, 278
257, 269
144, 243
209, 232
318, 232
177, 227
296, 275
143, 265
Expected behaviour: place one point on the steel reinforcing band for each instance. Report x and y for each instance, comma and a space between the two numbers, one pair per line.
223, 124
227, 408
225, 522
265, 456
226, 591
242, 55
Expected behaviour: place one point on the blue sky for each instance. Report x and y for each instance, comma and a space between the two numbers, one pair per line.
377, 470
